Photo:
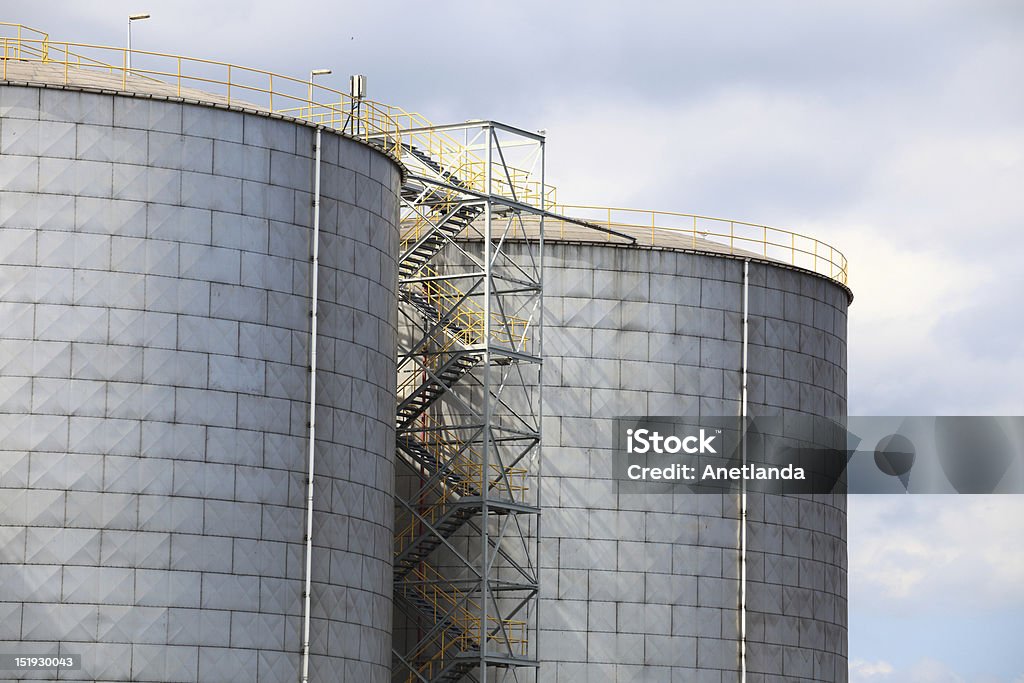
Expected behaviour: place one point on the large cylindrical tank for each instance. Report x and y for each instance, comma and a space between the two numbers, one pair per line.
154, 390
647, 588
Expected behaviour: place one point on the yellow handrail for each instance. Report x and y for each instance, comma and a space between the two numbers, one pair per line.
467, 316
659, 228
463, 616
202, 79
455, 158
445, 445
388, 126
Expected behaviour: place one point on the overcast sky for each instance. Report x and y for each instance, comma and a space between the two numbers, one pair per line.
892, 130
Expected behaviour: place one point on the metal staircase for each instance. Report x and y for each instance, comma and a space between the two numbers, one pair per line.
440, 381
438, 216
465, 444
452, 646
421, 248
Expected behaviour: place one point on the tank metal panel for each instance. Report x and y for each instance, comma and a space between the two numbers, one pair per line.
154, 261
647, 587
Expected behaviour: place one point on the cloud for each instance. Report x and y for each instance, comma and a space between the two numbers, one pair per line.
919, 306
735, 153
915, 181
933, 671
924, 670
861, 670
988, 328
936, 554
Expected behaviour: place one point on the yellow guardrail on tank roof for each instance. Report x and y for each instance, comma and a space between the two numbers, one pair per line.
31, 54
25, 48
683, 230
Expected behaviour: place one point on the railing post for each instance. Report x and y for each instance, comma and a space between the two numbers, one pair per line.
179, 76
229, 85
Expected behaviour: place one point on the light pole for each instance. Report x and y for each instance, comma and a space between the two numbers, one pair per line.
313, 74
131, 18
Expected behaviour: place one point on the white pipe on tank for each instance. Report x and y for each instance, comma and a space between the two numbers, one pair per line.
314, 296
743, 490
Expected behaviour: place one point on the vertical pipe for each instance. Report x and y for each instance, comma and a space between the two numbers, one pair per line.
540, 393
743, 489
314, 295
485, 456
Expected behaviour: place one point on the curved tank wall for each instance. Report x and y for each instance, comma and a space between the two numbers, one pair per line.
646, 588
154, 292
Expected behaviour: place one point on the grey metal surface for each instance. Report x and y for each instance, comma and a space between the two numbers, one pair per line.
647, 587
154, 283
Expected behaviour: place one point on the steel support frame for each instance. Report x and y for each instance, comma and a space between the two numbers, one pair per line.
496, 266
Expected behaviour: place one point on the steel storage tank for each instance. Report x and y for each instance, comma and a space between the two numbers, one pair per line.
647, 588
154, 389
